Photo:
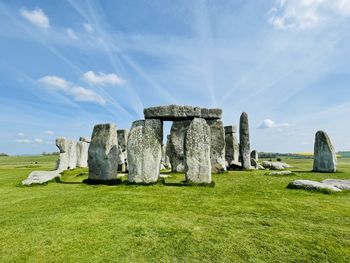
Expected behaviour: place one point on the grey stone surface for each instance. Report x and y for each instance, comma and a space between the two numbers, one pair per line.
253, 162
103, 153
122, 145
165, 158
211, 114
217, 146
72, 154
312, 185
40, 177
231, 144
254, 155
145, 151
275, 165
85, 139
341, 184
62, 162
177, 113
172, 112
244, 141
325, 159
233, 165
197, 152
176, 145
281, 173
82, 153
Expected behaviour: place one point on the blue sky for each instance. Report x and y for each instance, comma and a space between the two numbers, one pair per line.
67, 65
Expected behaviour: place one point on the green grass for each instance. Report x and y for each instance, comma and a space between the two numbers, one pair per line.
246, 217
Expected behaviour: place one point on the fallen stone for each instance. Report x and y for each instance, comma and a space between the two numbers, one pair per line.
233, 165
275, 165
325, 159
244, 141
197, 152
312, 185
281, 173
145, 151
217, 146
40, 177
341, 184
103, 153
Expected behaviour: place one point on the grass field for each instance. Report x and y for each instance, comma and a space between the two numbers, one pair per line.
246, 217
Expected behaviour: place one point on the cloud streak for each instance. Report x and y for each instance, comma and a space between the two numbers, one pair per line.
37, 17
270, 124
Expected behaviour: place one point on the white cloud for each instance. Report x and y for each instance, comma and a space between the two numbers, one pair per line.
55, 82
71, 34
76, 92
36, 17
49, 132
305, 14
83, 94
88, 28
269, 124
23, 140
101, 78
38, 140
20, 134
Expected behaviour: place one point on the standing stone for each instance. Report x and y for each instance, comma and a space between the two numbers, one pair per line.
244, 143
72, 154
325, 159
62, 162
177, 145
103, 153
165, 159
145, 151
197, 152
122, 144
231, 144
82, 152
254, 155
217, 146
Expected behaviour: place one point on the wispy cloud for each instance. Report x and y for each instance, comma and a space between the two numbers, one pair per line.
76, 92
49, 132
38, 140
36, 17
88, 28
305, 14
269, 124
71, 33
20, 134
23, 140
102, 79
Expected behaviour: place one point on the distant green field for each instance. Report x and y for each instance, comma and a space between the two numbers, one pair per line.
246, 217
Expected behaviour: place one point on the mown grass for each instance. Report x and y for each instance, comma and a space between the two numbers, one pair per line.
246, 217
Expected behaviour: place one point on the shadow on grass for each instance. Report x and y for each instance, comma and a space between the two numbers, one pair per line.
186, 183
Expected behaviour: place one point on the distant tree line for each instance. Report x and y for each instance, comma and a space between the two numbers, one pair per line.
49, 154
3, 154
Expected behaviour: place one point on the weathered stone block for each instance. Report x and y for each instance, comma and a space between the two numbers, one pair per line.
82, 153
325, 159
231, 144
145, 151
244, 142
217, 146
197, 152
103, 153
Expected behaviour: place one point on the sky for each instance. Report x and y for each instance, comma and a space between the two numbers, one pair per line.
68, 65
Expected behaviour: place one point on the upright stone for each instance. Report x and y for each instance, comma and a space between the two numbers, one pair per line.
82, 152
325, 159
197, 152
254, 155
217, 146
231, 144
103, 153
72, 154
62, 162
177, 144
145, 151
122, 144
244, 143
